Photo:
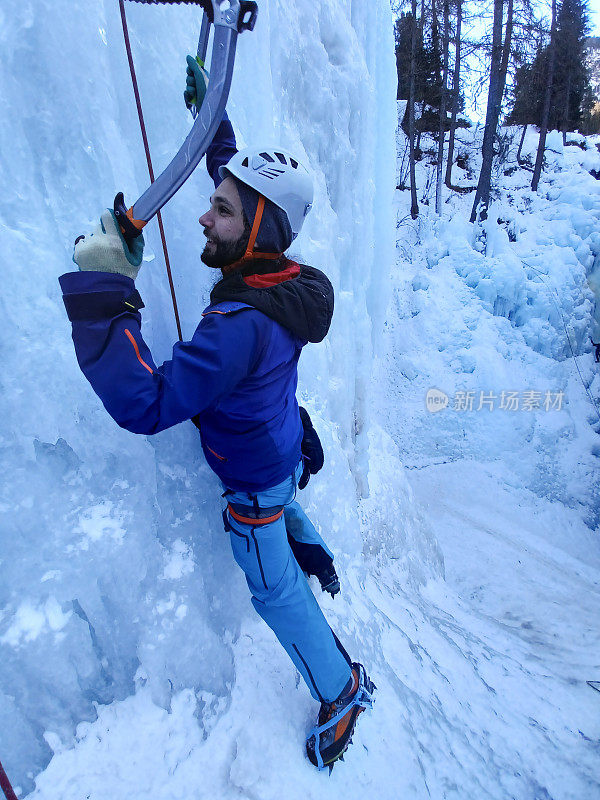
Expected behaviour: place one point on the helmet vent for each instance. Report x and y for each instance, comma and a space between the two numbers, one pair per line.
294, 163
281, 157
271, 172
267, 157
245, 162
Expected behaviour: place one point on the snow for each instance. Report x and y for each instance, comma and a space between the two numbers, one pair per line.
131, 661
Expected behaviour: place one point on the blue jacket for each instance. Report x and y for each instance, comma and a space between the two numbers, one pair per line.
237, 376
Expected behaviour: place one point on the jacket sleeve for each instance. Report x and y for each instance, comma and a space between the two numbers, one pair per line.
113, 356
221, 149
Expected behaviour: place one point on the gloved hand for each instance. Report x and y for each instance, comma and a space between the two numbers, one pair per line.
197, 83
106, 250
312, 450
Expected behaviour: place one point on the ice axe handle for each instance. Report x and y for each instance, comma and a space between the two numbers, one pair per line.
129, 228
247, 7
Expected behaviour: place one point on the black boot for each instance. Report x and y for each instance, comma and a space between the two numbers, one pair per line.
329, 580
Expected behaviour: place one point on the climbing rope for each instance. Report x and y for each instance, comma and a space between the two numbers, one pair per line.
149, 162
5, 785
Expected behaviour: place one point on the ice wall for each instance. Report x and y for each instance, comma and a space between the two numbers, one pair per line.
112, 554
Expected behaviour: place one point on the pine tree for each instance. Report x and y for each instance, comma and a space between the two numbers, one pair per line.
571, 77
428, 59
569, 92
403, 36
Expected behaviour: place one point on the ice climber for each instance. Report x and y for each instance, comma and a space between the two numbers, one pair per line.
237, 379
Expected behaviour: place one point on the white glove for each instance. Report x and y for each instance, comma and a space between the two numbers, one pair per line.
106, 250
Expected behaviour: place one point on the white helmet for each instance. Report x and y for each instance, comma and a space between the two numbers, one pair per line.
278, 176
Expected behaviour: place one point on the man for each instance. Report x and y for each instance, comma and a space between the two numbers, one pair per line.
237, 379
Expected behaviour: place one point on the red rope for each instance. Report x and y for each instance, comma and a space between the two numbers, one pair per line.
5, 785
149, 161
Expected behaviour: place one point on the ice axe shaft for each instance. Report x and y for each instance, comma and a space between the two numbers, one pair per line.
202, 48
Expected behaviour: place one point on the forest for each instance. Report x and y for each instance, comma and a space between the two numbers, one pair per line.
528, 58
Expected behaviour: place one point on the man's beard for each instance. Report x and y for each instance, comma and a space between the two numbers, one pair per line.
224, 253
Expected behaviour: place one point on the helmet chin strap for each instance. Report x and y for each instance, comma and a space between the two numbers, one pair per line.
250, 254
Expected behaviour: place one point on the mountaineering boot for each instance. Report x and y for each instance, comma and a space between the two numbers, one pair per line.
327, 742
329, 580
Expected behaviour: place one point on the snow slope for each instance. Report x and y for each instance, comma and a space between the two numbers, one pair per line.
131, 662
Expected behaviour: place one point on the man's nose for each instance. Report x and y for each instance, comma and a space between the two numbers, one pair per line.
206, 220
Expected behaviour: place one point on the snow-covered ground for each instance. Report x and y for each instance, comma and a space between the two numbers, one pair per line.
131, 662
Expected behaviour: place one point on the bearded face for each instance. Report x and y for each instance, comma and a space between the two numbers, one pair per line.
225, 226
219, 253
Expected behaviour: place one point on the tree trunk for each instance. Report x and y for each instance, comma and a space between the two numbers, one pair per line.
455, 95
506, 49
537, 170
442, 128
435, 43
414, 206
420, 131
520, 147
482, 195
567, 112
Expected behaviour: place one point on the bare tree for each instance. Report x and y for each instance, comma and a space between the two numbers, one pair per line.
482, 194
455, 94
520, 147
537, 170
506, 49
442, 127
414, 205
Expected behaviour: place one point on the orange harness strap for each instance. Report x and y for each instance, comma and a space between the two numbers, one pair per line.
254, 520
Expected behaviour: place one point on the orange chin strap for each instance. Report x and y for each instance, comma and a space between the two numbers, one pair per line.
250, 255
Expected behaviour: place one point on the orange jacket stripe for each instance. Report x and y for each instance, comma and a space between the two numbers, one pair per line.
216, 455
137, 351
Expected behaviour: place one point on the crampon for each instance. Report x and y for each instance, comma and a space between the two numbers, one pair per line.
329, 739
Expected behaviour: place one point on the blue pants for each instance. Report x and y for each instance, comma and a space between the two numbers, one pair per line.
280, 591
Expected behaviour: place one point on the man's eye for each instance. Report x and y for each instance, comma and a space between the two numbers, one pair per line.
223, 210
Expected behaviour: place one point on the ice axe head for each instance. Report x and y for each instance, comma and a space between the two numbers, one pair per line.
130, 227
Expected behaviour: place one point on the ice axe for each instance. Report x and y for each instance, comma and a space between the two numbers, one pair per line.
229, 18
